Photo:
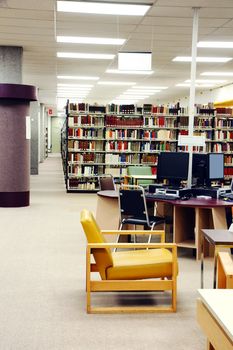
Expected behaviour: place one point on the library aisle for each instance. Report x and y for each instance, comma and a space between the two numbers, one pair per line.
42, 274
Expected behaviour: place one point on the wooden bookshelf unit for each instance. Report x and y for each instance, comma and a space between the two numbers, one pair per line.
99, 140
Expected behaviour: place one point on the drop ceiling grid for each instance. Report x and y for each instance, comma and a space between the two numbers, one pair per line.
30, 23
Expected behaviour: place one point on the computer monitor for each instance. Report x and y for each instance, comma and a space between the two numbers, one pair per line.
215, 167
173, 166
206, 168
199, 169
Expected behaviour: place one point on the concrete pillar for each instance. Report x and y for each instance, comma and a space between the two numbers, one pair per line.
11, 64
35, 115
15, 134
15, 129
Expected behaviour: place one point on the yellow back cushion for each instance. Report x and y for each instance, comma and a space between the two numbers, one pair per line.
103, 257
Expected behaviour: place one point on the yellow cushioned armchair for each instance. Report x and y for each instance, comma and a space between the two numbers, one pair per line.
143, 269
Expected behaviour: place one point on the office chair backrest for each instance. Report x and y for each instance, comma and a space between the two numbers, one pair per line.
132, 202
106, 183
103, 257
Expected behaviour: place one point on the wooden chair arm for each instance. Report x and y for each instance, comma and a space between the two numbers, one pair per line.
132, 232
172, 246
161, 233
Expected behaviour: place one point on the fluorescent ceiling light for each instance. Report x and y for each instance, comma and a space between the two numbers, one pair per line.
216, 44
150, 87
97, 56
114, 83
202, 59
206, 81
139, 61
69, 96
123, 102
129, 97
140, 72
138, 93
73, 92
76, 77
196, 85
67, 88
218, 74
89, 40
74, 88
103, 8
151, 92
75, 85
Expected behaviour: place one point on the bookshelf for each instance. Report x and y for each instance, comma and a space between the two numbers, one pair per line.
99, 140
85, 147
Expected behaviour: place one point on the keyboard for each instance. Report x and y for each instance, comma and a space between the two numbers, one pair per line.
162, 196
227, 196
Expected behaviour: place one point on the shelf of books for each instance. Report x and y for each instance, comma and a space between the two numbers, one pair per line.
101, 140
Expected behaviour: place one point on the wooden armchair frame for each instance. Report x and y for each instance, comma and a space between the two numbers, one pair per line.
131, 285
224, 270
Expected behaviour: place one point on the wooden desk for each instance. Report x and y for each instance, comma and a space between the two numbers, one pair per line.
193, 215
189, 217
214, 315
219, 239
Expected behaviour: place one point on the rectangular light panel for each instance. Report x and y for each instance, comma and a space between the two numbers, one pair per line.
140, 72
89, 40
218, 74
202, 59
138, 61
216, 44
97, 56
76, 77
103, 8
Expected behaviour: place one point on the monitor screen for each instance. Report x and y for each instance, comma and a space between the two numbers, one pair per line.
215, 166
199, 169
173, 166
206, 168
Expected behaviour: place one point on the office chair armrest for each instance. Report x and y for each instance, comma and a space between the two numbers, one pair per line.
161, 233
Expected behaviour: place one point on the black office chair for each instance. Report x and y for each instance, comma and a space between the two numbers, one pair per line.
106, 183
133, 208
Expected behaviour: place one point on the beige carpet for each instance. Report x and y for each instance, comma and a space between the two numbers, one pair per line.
42, 282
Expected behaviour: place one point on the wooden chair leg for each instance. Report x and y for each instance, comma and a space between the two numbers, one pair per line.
209, 346
88, 277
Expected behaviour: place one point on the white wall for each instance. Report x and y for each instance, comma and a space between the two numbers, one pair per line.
211, 95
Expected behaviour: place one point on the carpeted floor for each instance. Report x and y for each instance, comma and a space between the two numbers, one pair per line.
42, 282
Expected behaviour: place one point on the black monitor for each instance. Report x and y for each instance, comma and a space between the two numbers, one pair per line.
206, 168
173, 166
199, 169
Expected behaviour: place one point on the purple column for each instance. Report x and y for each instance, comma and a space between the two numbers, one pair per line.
15, 144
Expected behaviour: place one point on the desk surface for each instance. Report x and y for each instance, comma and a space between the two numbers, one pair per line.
216, 237
195, 202
192, 202
220, 303
109, 194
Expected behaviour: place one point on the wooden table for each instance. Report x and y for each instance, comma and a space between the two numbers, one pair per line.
193, 215
215, 316
189, 217
219, 239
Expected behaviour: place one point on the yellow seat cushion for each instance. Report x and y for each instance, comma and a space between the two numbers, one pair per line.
140, 264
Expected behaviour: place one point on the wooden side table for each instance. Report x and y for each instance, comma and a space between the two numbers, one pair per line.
214, 315
219, 239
